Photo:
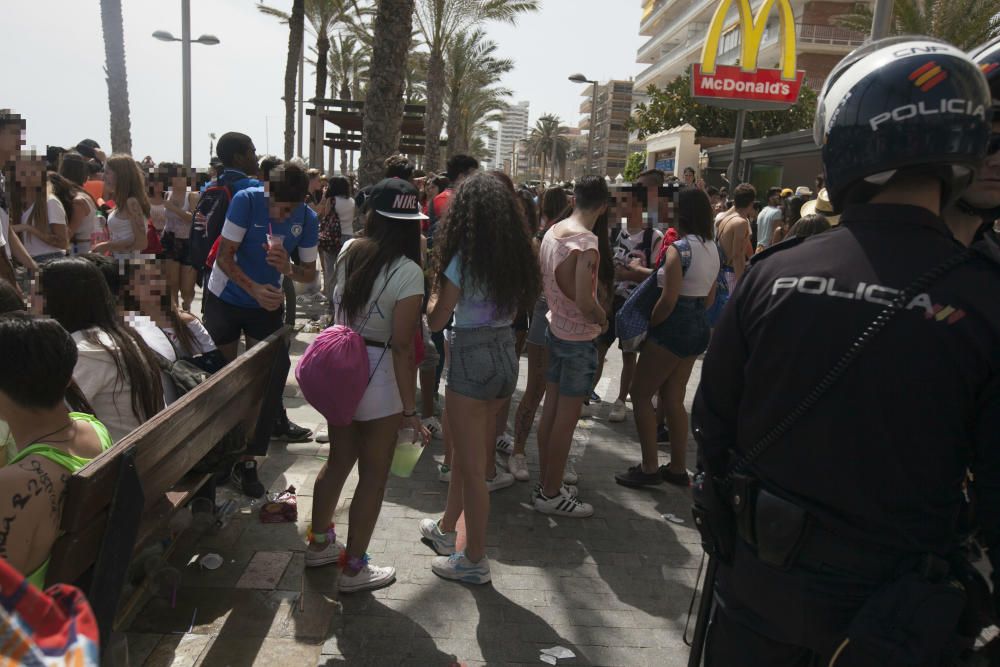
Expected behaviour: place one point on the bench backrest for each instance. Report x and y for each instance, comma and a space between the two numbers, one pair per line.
165, 449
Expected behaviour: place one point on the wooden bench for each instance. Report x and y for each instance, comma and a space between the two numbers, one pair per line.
126, 496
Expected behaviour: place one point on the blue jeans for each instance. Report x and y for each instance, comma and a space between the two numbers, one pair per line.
572, 365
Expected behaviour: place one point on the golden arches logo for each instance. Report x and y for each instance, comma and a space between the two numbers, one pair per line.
752, 29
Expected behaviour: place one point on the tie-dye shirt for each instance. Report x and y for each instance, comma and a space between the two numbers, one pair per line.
473, 309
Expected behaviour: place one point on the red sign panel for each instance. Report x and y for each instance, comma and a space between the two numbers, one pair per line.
729, 82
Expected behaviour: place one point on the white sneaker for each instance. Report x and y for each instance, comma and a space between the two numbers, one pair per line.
459, 568
563, 504
444, 473
433, 424
517, 464
586, 410
569, 473
505, 444
617, 413
330, 553
367, 578
502, 480
443, 543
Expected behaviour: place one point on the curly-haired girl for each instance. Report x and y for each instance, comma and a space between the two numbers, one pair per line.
485, 271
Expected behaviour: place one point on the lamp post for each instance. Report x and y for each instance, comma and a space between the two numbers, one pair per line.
186, 41
579, 78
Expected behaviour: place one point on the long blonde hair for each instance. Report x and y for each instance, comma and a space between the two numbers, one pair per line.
129, 182
39, 217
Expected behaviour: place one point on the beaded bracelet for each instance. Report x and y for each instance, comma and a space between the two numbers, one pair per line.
331, 534
353, 563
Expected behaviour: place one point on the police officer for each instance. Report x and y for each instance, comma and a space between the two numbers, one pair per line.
979, 206
845, 529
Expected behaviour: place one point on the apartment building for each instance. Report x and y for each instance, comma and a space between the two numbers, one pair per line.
513, 127
677, 30
611, 138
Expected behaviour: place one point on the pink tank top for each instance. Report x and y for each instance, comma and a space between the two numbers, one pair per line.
565, 319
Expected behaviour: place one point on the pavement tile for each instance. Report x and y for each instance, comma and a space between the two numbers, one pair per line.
178, 651
265, 570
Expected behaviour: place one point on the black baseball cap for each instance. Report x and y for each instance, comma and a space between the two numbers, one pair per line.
396, 198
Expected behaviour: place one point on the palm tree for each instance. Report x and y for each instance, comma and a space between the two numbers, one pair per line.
349, 61
479, 110
296, 28
415, 91
964, 23
114, 70
472, 68
384, 101
548, 140
322, 16
439, 22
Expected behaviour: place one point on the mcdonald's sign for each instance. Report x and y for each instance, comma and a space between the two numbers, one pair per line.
746, 86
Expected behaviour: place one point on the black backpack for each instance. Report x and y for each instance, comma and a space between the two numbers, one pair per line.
209, 217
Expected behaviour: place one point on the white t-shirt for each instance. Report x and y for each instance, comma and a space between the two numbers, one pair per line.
57, 216
703, 271
627, 248
80, 243
345, 211
158, 341
201, 340
406, 279
108, 393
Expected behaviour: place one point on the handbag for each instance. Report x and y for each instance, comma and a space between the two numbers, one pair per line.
632, 319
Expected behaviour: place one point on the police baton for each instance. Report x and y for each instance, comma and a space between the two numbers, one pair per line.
704, 613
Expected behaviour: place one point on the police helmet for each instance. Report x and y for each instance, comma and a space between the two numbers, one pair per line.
987, 56
901, 103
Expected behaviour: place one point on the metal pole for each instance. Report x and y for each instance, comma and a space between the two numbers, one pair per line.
302, 78
186, 67
881, 19
734, 170
590, 135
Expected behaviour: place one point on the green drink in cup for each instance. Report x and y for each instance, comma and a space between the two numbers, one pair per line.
408, 450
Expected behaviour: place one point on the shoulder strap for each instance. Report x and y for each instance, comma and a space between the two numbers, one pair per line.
647, 244
371, 308
846, 361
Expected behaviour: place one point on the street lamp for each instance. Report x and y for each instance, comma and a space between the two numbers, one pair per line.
186, 41
579, 78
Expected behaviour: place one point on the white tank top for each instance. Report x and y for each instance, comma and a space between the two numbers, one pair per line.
704, 268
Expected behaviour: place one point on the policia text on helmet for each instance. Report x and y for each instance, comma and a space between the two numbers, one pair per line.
852, 385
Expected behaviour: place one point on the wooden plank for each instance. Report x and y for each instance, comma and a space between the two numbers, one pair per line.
177, 437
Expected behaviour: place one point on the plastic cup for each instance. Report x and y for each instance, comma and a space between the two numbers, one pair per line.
407, 453
275, 241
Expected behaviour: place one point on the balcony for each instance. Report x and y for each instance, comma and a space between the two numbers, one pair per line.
829, 35
672, 33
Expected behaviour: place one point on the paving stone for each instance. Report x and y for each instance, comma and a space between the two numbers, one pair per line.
178, 651
265, 570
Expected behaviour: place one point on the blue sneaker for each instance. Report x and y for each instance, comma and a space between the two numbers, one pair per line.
459, 568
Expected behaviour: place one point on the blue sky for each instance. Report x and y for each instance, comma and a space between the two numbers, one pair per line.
55, 59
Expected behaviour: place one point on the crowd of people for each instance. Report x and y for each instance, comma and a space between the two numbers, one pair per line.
457, 275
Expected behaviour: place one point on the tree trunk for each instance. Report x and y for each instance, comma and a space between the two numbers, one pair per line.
454, 123
434, 118
322, 58
296, 28
114, 68
383, 115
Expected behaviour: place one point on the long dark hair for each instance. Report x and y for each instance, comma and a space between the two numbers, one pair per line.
74, 167
66, 191
606, 261
385, 240
484, 228
694, 214
530, 210
130, 302
77, 296
554, 201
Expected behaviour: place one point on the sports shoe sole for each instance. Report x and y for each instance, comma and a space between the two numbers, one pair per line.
368, 585
326, 560
636, 484
470, 578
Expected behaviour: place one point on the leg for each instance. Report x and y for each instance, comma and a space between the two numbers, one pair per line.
534, 390
545, 426
677, 417
331, 478
471, 432
628, 371
560, 437
378, 441
427, 393
731, 643
661, 412
657, 365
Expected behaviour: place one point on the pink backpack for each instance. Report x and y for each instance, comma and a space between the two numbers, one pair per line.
334, 372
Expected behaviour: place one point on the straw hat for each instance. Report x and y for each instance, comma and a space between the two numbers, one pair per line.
821, 205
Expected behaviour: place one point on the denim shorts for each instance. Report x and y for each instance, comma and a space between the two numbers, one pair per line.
483, 363
685, 333
572, 365
539, 323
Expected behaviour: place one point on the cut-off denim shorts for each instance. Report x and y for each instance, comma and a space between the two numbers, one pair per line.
572, 365
483, 363
685, 332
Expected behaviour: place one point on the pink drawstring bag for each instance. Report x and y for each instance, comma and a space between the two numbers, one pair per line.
334, 372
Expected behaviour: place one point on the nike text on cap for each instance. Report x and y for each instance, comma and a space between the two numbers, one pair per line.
397, 199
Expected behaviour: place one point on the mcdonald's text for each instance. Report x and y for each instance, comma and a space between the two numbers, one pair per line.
730, 82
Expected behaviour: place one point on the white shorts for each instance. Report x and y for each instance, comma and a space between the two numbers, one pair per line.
381, 398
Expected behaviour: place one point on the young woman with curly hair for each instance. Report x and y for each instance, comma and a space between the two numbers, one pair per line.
485, 271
